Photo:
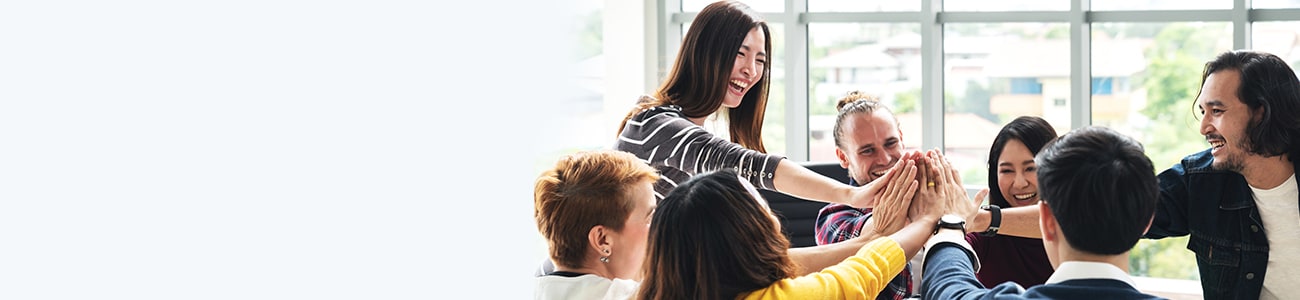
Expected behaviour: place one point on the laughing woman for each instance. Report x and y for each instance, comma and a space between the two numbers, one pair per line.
1011, 163
722, 67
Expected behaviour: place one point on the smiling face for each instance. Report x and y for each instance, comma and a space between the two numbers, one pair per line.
1017, 174
629, 247
872, 143
1223, 120
751, 60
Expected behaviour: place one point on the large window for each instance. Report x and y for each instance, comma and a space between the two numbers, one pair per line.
1281, 38
993, 73
879, 59
1154, 71
957, 70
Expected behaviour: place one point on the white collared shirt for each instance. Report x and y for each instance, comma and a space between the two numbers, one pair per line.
1089, 270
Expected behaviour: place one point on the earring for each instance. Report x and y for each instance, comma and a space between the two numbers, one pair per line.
604, 259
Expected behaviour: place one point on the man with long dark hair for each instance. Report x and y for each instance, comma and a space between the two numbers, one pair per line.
1238, 199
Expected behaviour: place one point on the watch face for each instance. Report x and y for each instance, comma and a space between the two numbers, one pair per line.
952, 221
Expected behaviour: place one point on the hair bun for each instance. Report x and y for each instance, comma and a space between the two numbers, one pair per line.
853, 97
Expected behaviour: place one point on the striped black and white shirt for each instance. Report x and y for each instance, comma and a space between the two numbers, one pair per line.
679, 149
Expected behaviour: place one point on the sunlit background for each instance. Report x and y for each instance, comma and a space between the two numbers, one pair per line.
999, 60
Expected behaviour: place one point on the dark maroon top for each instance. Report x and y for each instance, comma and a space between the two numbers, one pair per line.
1007, 258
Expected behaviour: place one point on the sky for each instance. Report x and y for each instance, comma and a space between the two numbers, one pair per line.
275, 149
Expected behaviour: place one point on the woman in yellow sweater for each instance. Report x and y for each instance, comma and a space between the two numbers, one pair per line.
714, 237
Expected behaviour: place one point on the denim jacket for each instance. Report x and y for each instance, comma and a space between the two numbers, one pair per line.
1217, 209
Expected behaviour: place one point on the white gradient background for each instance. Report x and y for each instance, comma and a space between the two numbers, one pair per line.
275, 149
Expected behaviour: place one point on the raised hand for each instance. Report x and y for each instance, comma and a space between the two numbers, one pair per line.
891, 211
929, 194
868, 195
954, 197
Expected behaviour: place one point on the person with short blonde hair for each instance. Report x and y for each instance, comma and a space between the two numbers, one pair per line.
594, 210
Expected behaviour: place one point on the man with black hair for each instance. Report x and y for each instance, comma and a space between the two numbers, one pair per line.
1239, 199
1098, 196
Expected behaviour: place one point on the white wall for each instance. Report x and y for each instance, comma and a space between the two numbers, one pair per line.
274, 149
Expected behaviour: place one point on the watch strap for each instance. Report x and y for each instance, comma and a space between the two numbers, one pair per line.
995, 219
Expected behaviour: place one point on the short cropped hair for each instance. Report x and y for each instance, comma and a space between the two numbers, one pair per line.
1100, 187
583, 190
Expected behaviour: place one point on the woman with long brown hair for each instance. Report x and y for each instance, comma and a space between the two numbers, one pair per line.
722, 67
714, 237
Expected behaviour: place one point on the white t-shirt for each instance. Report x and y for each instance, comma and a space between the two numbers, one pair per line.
1281, 216
584, 287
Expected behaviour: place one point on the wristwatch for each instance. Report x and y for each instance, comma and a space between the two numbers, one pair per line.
995, 219
951, 221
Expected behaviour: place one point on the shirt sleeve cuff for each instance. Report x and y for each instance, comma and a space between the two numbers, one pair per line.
957, 239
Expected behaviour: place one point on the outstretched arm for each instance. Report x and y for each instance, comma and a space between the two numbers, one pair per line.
897, 189
796, 180
1016, 221
950, 268
793, 179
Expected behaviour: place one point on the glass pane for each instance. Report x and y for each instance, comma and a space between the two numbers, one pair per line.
1276, 3
1150, 98
1006, 5
1160, 4
758, 5
1279, 38
879, 59
994, 73
863, 5
774, 120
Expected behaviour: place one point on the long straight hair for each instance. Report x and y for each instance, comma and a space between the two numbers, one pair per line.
710, 239
699, 77
1033, 131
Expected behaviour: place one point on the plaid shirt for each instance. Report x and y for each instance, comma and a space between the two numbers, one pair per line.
839, 222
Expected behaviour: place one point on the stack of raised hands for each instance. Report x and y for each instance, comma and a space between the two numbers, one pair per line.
921, 184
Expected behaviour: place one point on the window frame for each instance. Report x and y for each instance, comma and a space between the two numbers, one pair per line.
668, 17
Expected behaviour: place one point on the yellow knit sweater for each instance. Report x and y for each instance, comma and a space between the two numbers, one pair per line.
861, 276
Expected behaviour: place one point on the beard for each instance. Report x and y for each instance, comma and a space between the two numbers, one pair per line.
1232, 162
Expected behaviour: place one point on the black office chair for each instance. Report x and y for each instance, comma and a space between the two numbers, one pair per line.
799, 215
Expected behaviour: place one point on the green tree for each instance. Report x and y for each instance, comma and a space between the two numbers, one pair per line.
907, 101
1172, 81
824, 106
975, 101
